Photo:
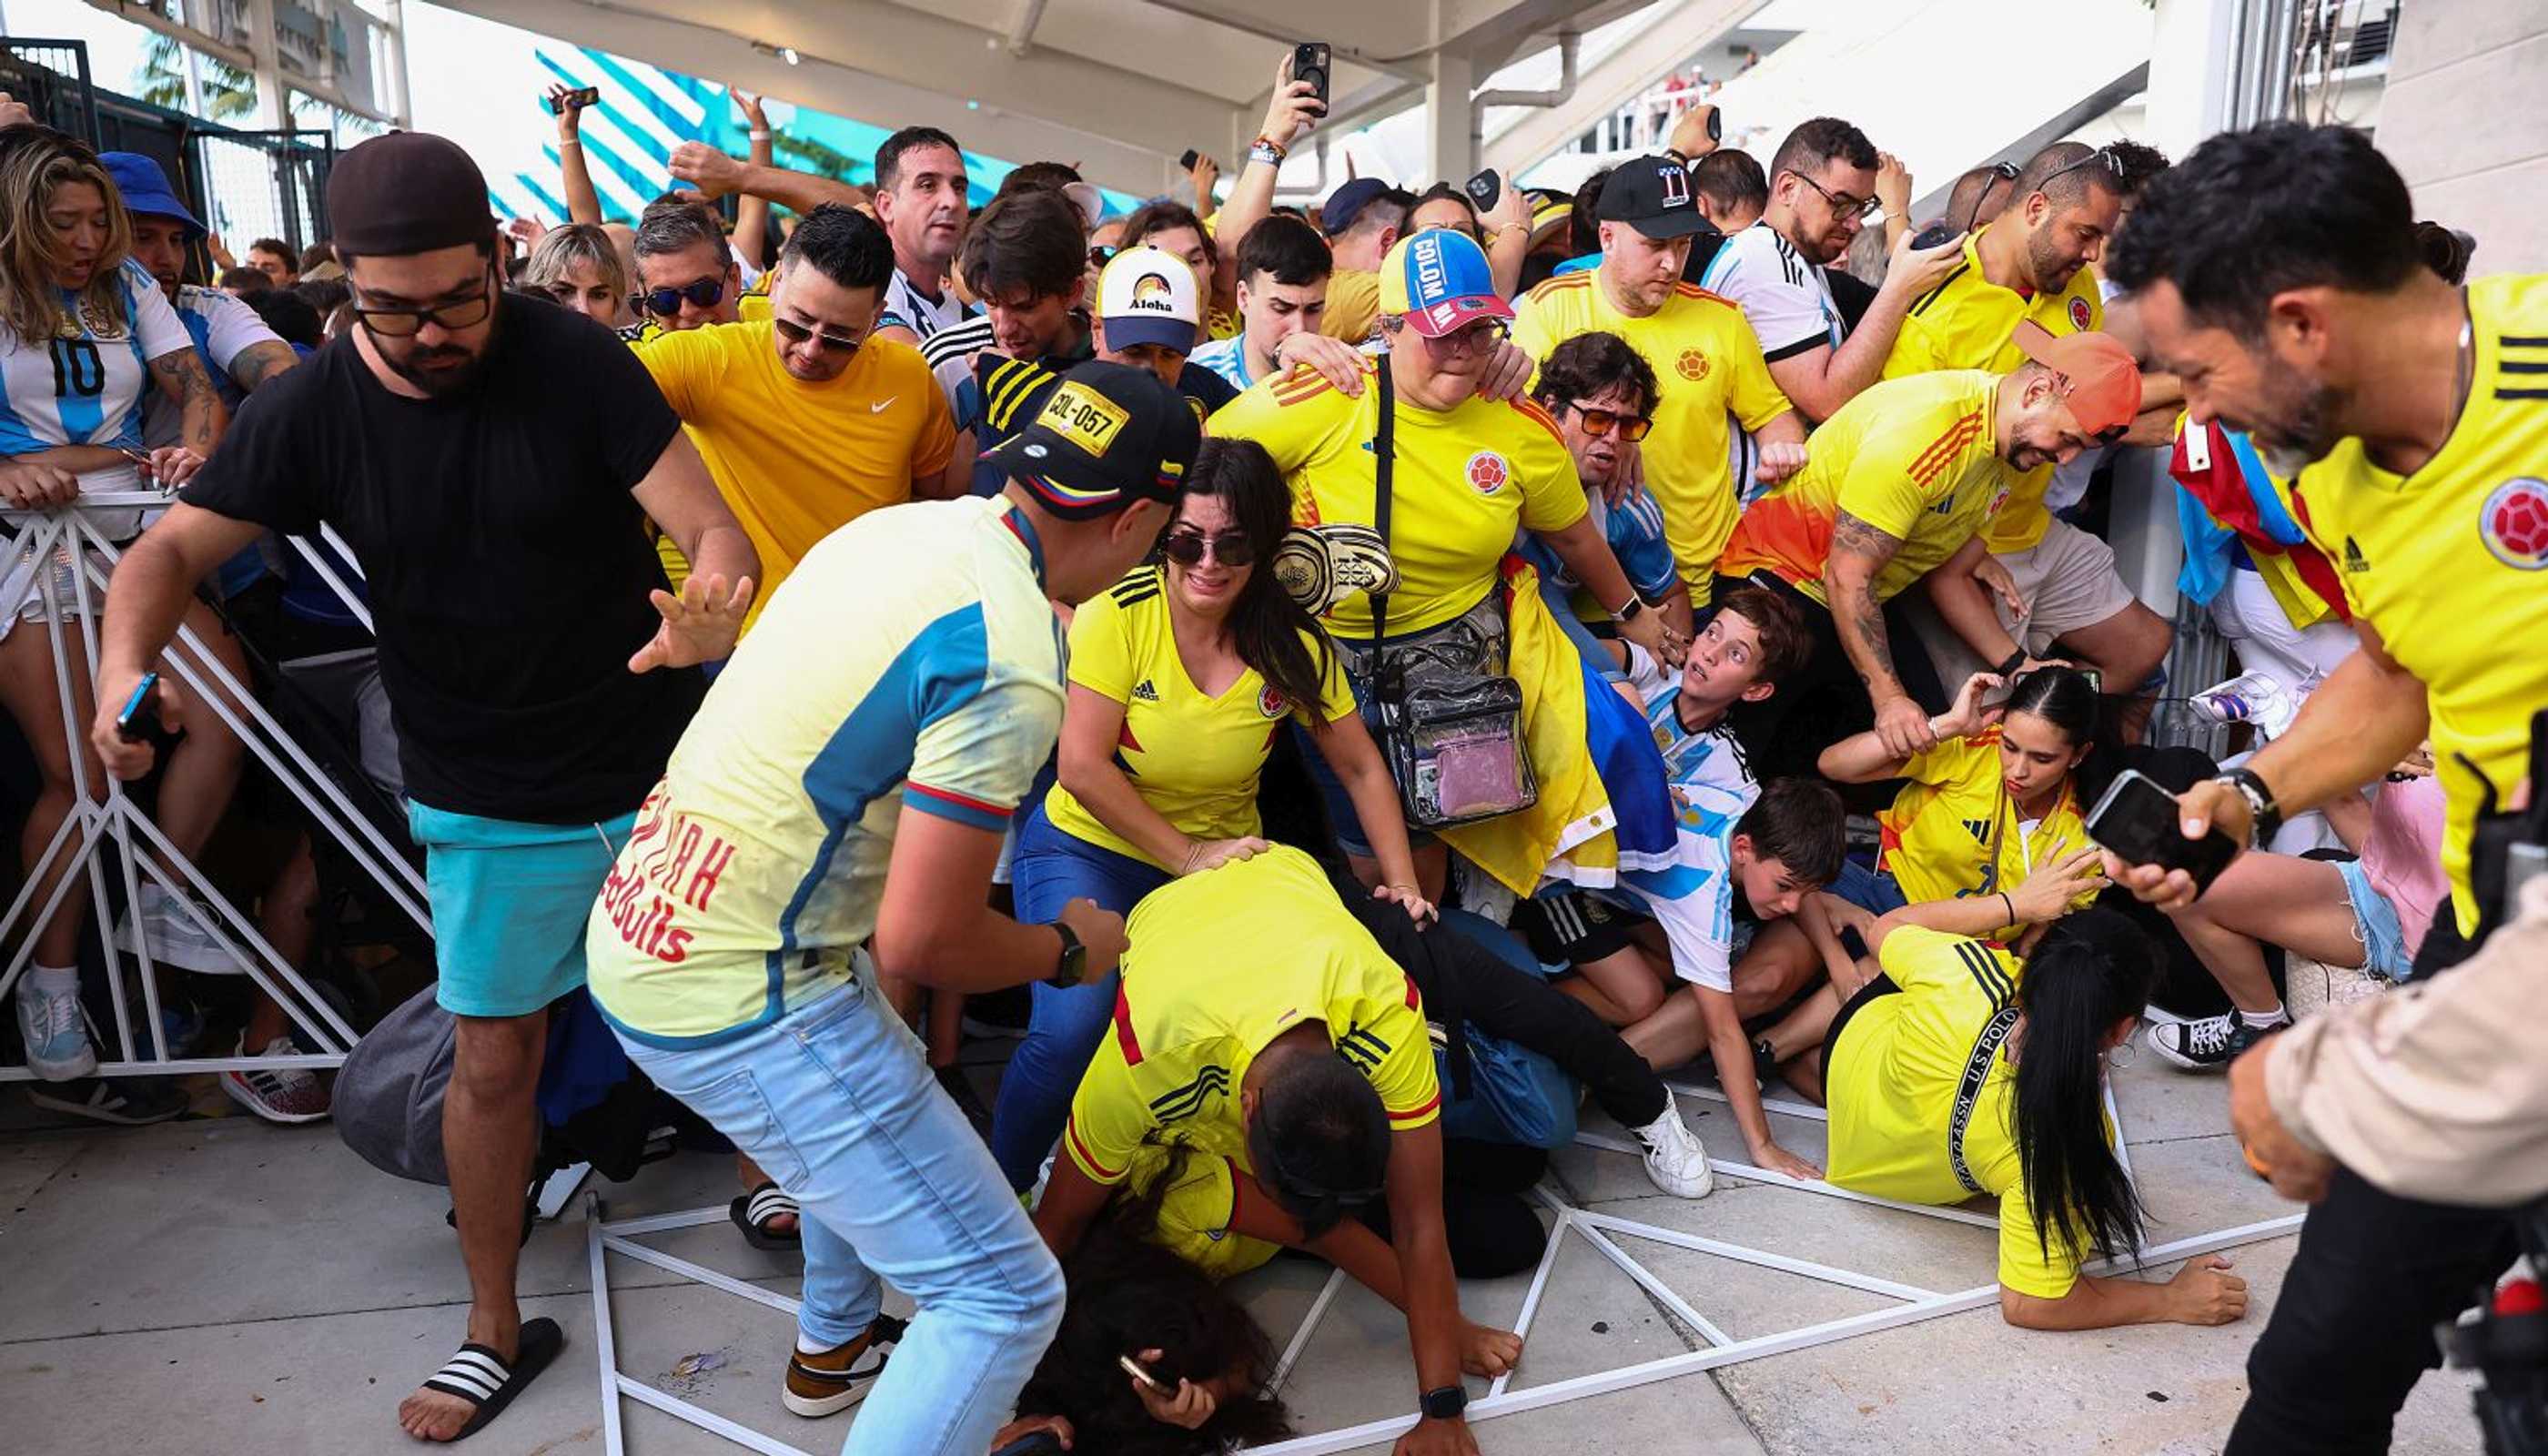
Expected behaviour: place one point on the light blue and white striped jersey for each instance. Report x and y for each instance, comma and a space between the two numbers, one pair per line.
222, 328
1691, 890
87, 390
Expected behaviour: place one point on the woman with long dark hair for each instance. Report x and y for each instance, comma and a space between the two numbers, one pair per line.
1957, 1069
1180, 674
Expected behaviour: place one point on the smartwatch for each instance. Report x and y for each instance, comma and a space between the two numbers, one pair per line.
1635, 609
2263, 813
1074, 958
1445, 1403
2015, 661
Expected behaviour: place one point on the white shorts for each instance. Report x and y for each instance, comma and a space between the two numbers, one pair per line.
2069, 580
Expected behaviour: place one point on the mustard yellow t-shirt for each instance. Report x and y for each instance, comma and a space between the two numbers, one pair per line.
1969, 322
1708, 371
798, 461
1911, 457
1221, 964
1954, 832
2450, 564
1465, 481
1899, 1086
1194, 757
1354, 305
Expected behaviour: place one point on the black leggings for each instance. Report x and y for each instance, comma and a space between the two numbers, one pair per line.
1487, 1218
1823, 701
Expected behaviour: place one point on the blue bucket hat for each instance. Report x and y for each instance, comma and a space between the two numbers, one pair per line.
146, 188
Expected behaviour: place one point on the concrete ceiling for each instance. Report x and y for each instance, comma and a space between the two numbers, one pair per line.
1120, 87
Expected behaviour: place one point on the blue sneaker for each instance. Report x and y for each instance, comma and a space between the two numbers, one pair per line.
54, 1031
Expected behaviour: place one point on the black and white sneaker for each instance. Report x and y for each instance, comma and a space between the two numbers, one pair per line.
126, 1102
2212, 1044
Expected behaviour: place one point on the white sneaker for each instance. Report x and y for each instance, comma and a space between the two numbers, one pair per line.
1674, 1160
54, 1031
176, 937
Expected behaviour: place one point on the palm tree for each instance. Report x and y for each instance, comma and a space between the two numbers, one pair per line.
230, 93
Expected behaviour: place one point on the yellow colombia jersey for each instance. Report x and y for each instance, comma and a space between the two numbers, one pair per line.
1353, 304
1898, 1090
1967, 323
1953, 831
1466, 480
2451, 563
798, 461
1707, 367
1911, 457
1221, 964
913, 667
1194, 759
1198, 1208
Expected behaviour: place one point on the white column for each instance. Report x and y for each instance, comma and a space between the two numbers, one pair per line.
1449, 151
2194, 55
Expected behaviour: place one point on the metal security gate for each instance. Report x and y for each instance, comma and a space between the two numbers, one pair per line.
51, 77
263, 184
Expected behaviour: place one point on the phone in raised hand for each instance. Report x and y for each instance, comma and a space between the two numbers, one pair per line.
1484, 188
575, 100
2137, 821
1310, 63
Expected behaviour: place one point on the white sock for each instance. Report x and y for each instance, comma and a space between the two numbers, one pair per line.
54, 979
2274, 1017
806, 1345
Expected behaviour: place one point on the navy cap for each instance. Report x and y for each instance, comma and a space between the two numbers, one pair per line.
1346, 203
1108, 435
146, 188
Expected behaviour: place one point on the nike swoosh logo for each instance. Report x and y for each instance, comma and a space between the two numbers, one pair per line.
880, 406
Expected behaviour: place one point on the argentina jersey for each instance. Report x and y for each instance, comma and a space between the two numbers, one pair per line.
86, 388
1691, 890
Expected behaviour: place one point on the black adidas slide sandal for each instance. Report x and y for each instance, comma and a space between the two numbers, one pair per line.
753, 1211
480, 1377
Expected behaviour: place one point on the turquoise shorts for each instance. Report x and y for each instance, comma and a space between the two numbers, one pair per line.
509, 901
2376, 925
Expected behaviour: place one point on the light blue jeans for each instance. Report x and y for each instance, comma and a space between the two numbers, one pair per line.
836, 1103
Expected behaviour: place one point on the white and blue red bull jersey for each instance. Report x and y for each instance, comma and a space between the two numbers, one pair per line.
87, 389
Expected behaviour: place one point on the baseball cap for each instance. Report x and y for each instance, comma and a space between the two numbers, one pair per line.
1090, 202
1440, 281
1346, 203
146, 188
1108, 435
1653, 195
1147, 296
406, 192
2104, 384
1548, 213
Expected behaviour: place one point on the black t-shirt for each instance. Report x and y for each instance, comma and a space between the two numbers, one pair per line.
506, 562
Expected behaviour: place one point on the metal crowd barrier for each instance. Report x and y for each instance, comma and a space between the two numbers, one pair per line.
103, 814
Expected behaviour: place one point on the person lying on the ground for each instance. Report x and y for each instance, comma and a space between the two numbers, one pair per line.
1959, 1070
1261, 1026
1132, 1298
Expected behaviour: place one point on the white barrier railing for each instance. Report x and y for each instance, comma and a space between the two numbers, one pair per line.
104, 814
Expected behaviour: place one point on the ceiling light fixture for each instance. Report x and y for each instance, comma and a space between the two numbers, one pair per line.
786, 54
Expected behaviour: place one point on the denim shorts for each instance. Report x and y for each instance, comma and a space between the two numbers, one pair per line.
509, 901
1870, 890
2375, 924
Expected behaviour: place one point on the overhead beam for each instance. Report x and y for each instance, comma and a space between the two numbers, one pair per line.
2096, 103
1390, 36
1623, 73
894, 67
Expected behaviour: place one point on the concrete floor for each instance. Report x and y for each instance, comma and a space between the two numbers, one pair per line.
213, 1286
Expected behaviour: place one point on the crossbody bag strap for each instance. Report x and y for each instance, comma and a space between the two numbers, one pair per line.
1385, 460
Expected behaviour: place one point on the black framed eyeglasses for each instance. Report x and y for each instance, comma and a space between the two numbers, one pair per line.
664, 303
407, 322
1187, 548
798, 333
1842, 203
1599, 422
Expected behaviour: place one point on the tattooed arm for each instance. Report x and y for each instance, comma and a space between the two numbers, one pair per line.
1859, 551
260, 362
182, 379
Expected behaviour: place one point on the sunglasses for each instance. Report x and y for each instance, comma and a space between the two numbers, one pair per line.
666, 302
2003, 172
1842, 203
796, 333
2104, 156
1187, 548
1599, 422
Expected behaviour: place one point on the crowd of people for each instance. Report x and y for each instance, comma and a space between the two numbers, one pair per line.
1325, 654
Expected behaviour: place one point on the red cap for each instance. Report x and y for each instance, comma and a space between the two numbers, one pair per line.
2103, 386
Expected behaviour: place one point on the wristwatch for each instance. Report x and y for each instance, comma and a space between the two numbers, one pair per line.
1445, 1403
1074, 958
2015, 661
2264, 815
1634, 608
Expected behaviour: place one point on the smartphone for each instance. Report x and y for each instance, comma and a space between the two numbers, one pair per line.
1310, 63
1715, 123
1185, 163
579, 99
140, 719
1934, 235
1032, 1443
1484, 188
1141, 1372
2136, 820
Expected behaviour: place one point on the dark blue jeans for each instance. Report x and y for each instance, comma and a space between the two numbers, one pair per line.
1049, 869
